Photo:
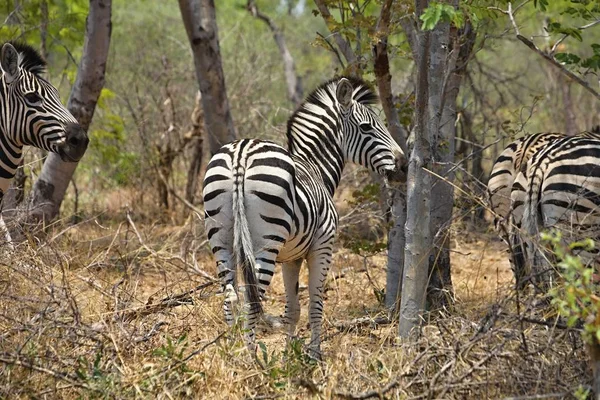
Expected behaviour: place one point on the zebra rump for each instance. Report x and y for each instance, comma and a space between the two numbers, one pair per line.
563, 192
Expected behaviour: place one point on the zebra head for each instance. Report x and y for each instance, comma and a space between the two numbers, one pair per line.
32, 113
366, 139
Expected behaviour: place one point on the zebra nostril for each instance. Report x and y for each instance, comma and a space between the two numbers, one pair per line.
74, 141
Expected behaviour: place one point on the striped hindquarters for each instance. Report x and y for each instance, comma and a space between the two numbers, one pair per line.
564, 191
506, 167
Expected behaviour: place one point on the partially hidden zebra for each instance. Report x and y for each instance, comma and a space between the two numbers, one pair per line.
509, 163
562, 191
266, 204
31, 113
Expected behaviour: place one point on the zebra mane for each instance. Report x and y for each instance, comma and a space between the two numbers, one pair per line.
363, 93
29, 58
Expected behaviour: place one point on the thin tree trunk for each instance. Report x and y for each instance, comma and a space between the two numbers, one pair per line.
49, 190
196, 135
396, 240
418, 236
44, 29
201, 26
293, 81
443, 97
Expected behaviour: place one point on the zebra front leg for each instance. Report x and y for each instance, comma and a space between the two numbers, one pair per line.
318, 266
291, 273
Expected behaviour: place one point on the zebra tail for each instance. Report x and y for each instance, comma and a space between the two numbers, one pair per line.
243, 249
532, 219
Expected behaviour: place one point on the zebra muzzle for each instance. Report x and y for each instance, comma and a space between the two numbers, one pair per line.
75, 145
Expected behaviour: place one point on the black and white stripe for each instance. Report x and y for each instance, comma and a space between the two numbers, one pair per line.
31, 113
266, 204
509, 163
562, 190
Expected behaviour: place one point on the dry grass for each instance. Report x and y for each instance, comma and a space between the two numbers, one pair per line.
106, 312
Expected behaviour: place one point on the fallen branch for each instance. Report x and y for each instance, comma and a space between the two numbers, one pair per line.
362, 322
172, 301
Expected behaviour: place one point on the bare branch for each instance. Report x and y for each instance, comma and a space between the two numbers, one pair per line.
294, 84
561, 68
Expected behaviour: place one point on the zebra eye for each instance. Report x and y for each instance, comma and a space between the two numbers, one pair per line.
33, 98
365, 127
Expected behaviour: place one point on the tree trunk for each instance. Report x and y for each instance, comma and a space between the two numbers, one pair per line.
294, 84
418, 236
443, 91
49, 190
201, 26
396, 240
196, 135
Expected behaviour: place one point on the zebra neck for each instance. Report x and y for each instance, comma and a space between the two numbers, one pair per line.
324, 160
11, 154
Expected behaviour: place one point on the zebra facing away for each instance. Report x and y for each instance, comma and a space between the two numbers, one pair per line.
562, 191
265, 204
507, 184
513, 158
31, 113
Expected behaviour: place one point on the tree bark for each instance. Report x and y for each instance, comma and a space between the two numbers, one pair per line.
200, 24
293, 81
49, 190
196, 135
443, 90
418, 235
396, 239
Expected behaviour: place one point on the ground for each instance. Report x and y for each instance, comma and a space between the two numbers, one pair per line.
127, 310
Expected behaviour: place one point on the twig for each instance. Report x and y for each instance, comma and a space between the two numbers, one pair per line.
192, 354
562, 69
170, 257
374, 393
360, 322
167, 302
58, 375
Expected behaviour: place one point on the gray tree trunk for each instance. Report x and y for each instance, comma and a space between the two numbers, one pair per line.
49, 190
418, 235
293, 81
200, 23
395, 263
443, 90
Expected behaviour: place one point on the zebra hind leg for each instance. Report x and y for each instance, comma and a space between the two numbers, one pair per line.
226, 271
291, 272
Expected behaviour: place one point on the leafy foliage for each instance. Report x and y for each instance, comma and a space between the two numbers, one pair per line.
577, 298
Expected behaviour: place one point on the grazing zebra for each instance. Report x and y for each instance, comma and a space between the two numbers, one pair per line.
265, 204
31, 113
562, 190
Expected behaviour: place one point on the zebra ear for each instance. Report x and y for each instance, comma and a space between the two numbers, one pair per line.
9, 61
344, 93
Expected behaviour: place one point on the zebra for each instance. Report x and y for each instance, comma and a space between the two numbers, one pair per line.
506, 188
509, 163
266, 204
31, 113
562, 190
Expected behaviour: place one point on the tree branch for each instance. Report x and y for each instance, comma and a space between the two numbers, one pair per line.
562, 69
343, 44
294, 85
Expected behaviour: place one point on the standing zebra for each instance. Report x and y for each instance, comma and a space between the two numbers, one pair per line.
507, 188
562, 191
265, 204
31, 113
